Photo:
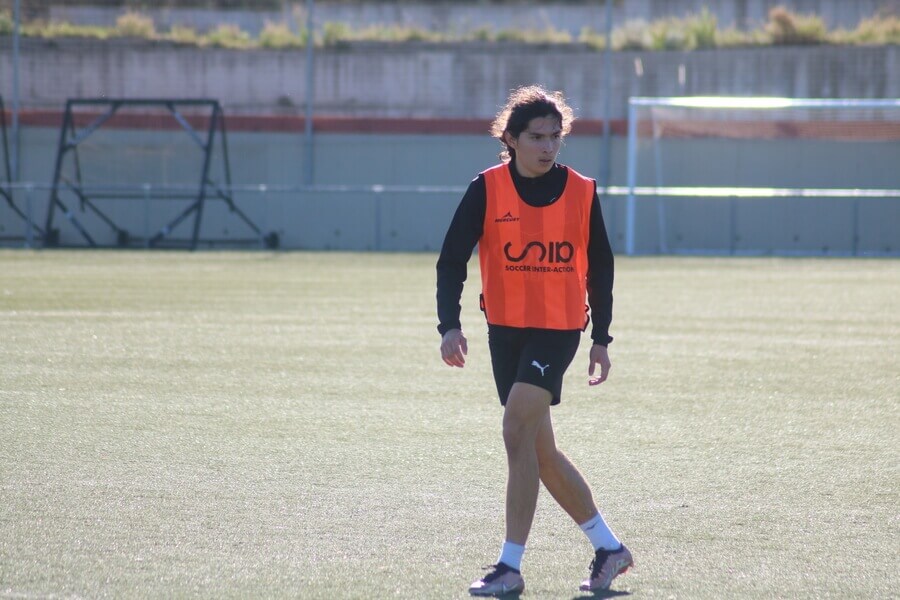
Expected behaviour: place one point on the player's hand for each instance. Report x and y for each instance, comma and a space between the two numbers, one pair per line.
454, 348
599, 356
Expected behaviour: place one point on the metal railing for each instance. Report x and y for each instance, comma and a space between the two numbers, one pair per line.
24, 198
29, 199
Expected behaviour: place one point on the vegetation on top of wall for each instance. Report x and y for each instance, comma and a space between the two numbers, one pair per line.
699, 31
259, 5
265, 5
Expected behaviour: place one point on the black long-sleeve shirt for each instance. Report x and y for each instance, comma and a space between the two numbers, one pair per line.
467, 227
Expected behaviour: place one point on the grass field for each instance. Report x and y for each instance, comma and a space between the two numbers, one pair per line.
281, 425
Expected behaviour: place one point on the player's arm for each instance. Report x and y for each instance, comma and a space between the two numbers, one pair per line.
463, 234
599, 285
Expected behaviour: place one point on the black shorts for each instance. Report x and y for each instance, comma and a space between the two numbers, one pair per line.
536, 356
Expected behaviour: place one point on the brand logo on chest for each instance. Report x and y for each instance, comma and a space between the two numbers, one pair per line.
507, 218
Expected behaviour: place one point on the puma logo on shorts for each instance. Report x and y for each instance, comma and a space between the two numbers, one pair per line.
535, 363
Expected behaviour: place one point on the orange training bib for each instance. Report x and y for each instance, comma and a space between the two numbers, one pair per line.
534, 259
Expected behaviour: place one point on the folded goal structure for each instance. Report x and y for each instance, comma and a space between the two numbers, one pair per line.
173, 152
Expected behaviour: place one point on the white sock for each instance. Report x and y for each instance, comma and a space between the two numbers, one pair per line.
600, 534
511, 555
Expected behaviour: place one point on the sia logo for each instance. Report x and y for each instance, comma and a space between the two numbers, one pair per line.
553, 252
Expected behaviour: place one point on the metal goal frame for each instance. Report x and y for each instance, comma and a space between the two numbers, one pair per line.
70, 136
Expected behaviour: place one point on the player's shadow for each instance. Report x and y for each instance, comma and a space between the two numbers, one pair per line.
508, 596
601, 594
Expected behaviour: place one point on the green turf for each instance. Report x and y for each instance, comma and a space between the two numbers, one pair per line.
281, 425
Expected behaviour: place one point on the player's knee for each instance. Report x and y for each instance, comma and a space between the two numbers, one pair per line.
516, 434
526, 408
519, 432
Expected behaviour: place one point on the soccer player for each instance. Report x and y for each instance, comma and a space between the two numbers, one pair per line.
543, 248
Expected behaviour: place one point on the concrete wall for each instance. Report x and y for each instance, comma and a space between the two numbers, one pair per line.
437, 80
464, 81
464, 16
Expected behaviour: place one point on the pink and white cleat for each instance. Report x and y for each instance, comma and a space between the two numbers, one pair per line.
503, 579
606, 566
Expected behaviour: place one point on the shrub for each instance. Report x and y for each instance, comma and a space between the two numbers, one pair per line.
227, 36
877, 30
733, 38
668, 34
414, 34
279, 35
54, 29
334, 33
787, 28
6, 23
701, 30
133, 24
396, 33
592, 39
633, 35
688, 33
183, 35
481, 34
548, 35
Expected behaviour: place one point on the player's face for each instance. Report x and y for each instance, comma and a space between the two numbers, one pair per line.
536, 147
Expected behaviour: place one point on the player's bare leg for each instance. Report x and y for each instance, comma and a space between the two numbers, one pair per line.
568, 487
561, 478
526, 409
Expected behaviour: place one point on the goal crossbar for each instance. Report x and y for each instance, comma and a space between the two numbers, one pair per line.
750, 192
760, 102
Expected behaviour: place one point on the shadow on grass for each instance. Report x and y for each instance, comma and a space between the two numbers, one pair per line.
600, 594
583, 596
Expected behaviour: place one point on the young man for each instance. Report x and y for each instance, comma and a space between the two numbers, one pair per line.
542, 248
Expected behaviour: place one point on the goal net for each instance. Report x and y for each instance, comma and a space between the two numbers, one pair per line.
725, 175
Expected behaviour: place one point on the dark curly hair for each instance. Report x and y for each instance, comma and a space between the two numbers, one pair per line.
524, 104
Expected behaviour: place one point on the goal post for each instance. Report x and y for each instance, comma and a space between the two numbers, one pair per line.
8, 203
759, 175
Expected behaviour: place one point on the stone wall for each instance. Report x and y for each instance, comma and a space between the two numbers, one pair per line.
436, 80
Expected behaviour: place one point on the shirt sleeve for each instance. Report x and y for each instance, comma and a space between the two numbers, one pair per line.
600, 275
463, 234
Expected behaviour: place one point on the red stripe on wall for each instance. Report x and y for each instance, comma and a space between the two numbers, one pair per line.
294, 123
162, 120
